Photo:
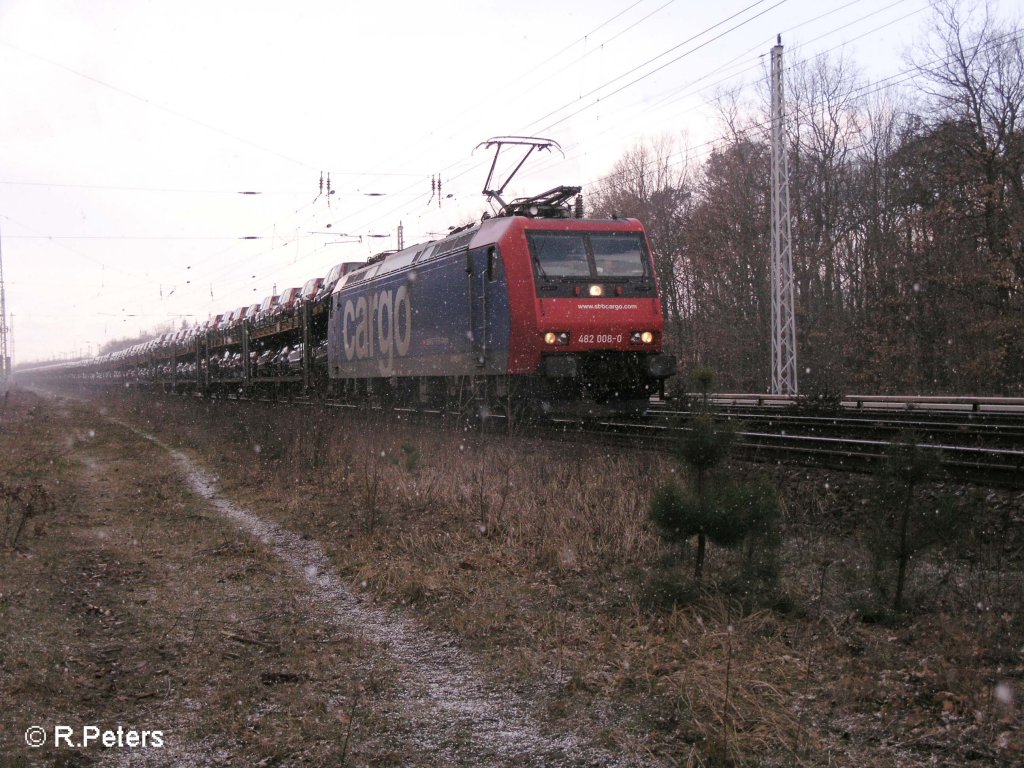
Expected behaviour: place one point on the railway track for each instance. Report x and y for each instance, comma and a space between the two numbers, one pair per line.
964, 430
973, 446
986, 449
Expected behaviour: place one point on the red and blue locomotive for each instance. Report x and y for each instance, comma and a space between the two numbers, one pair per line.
534, 308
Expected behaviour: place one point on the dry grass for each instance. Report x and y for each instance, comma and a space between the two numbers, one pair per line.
130, 603
540, 558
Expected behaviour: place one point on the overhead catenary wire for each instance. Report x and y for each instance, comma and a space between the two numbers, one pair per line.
674, 47
155, 104
660, 67
797, 112
845, 43
630, 71
195, 191
872, 87
501, 91
371, 215
692, 154
903, 77
205, 124
636, 80
684, 91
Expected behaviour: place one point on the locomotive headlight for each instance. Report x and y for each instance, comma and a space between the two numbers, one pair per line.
560, 337
596, 290
642, 337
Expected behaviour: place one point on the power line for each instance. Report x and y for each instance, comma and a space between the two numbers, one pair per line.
599, 47
867, 89
842, 44
846, 42
682, 92
625, 74
461, 163
156, 105
135, 237
403, 206
655, 58
470, 165
501, 92
864, 90
78, 253
187, 191
647, 107
586, 37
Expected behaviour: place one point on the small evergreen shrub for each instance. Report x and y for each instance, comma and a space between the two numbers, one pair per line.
714, 507
903, 523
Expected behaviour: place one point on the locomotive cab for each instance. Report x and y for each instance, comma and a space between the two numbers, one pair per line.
598, 315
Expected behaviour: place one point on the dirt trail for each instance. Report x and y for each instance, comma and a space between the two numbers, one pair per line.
148, 600
452, 715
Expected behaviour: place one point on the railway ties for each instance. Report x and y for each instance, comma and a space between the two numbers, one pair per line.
985, 448
986, 452
982, 465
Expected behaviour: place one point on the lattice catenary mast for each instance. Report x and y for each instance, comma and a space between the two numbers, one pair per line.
784, 379
5, 356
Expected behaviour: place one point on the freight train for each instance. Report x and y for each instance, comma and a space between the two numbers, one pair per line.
535, 309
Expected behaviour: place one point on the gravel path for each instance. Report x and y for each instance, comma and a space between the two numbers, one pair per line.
455, 717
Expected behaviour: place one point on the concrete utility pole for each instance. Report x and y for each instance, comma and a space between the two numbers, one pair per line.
5, 355
784, 378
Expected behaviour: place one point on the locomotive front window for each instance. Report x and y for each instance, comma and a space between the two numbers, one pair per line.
560, 255
561, 258
590, 263
618, 255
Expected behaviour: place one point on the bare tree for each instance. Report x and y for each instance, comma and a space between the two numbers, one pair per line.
826, 128
908, 220
973, 73
652, 182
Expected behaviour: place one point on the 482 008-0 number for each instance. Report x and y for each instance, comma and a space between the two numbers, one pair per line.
600, 338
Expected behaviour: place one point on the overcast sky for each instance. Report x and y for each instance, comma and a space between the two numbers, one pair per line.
130, 128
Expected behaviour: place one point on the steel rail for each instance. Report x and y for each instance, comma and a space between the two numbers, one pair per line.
894, 403
970, 457
980, 464
1007, 433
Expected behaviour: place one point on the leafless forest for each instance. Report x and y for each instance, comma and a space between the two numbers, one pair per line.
908, 221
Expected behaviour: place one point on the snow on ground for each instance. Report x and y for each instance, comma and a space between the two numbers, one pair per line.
454, 714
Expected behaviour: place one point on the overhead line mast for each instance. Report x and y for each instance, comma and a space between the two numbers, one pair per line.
784, 369
5, 357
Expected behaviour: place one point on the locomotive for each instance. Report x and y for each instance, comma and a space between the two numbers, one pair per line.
557, 314
535, 309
